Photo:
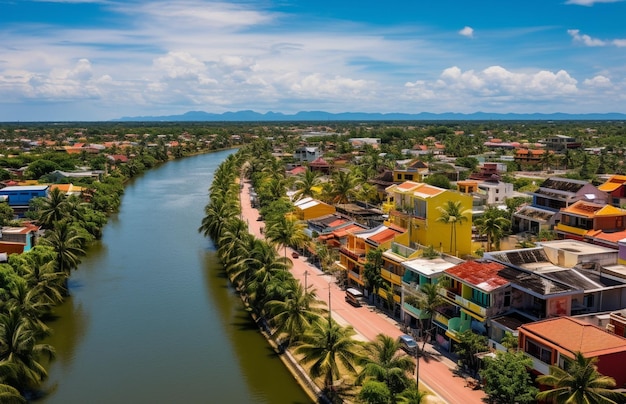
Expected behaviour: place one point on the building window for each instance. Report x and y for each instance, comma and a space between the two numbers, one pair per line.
538, 351
420, 208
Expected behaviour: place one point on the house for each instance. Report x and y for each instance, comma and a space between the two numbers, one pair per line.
309, 208
352, 255
58, 175
555, 341
18, 239
553, 194
560, 143
321, 165
361, 212
592, 222
415, 170
526, 157
488, 171
615, 187
307, 153
417, 273
414, 206
20, 196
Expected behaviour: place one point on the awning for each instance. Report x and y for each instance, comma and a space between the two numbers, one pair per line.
474, 315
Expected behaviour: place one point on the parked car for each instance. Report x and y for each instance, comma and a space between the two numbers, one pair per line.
294, 255
408, 344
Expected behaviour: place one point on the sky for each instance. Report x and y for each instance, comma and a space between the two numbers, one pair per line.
97, 60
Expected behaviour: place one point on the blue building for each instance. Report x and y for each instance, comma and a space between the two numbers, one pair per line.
20, 196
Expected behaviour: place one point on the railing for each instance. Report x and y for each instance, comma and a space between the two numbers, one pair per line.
353, 254
463, 302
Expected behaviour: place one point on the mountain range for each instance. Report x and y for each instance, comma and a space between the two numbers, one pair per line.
320, 116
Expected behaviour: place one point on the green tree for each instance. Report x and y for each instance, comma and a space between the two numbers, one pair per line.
386, 363
451, 213
371, 271
286, 231
67, 243
580, 382
306, 184
412, 396
326, 346
19, 347
344, 185
470, 344
52, 209
375, 392
39, 168
6, 214
295, 312
507, 379
494, 225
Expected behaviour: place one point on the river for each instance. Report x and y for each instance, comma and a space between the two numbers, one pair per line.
151, 318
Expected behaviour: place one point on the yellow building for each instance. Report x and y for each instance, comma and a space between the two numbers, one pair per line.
309, 208
415, 171
415, 208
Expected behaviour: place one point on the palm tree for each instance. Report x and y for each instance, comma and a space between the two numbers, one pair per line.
37, 268
217, 214
452, 214
306, 183
327, 346
386, 364
429, 301
493, 225
67, 243
295, 312
286, 231
580, 383
8, 393
53, 208
19, 348
344, 185
412, 396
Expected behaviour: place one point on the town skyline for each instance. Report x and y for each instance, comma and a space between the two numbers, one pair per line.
98, 60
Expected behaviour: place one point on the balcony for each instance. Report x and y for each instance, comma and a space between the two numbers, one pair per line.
465, 303
570, 229
456, 326
356, 254
414, 311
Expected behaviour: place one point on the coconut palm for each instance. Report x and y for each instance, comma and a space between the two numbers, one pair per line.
67, 243
344, 185
217, 213
52, 209
30, 304
37, 268
493, 225
306, 183
8, 393
19, 348
451, 213
286, 231
330, 349
385, 363
579, 383
412, 396
295, 312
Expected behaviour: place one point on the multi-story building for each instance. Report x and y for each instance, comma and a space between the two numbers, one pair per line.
414, 206
560, 143
555, 341
415, 170
553, 194
592, 222
615, 187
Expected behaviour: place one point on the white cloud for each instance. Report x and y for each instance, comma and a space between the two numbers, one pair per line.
585, 39
467, 31
620, 43
589, 3
598, 82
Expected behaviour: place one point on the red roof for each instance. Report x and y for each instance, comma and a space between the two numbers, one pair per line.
573, 335
383, 236
481, 274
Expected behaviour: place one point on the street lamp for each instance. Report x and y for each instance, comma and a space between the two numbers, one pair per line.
306, 275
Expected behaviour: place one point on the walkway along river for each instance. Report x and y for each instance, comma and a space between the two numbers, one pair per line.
151, 318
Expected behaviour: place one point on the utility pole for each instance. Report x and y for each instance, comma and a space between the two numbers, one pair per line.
306, 275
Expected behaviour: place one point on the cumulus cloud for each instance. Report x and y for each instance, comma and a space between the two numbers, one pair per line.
585, 39
598, 82
589, 3
467, 31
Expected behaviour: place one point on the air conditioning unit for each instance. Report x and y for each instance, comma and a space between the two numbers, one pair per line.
610, 328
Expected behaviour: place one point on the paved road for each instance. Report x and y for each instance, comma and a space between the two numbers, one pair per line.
436, 374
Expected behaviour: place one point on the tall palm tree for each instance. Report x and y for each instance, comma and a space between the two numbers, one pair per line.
67, 243
580, 383
386, 364
286, 231
493, 225
453, 214
52, 209
8, 393
37, 268
19, 347
217, 213
430, 300
412, 396
306, 183
295, 312
327, 346
344, 184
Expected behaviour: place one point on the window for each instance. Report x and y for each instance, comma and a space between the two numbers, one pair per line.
507, 298
420, 208
538, 351
480, 298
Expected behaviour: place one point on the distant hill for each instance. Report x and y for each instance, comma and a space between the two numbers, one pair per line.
251, 116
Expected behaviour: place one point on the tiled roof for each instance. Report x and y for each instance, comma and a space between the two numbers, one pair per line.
481, 274
383, 236
613, 183
573, 335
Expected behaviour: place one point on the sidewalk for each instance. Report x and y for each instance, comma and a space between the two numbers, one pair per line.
436, 369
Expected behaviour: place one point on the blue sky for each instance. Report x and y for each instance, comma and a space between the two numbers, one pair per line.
97, 60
